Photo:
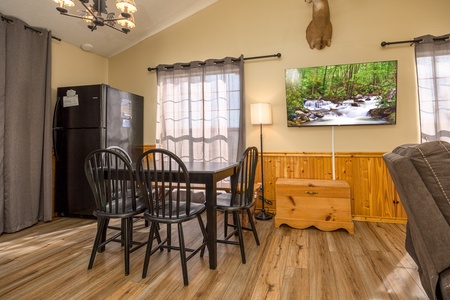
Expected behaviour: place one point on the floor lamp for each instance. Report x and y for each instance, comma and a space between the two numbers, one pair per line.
261, 114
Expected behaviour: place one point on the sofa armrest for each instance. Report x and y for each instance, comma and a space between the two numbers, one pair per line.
444, 283
421, 209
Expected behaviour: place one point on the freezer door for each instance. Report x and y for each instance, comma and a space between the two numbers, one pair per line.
125, 121
73, 195
80, 107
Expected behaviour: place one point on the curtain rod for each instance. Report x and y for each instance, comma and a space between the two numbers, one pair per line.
29, 27
245, 58
413, 41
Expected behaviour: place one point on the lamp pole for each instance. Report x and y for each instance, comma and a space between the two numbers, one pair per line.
261, 114
263, 215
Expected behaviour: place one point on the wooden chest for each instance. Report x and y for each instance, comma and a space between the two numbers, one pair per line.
302, 203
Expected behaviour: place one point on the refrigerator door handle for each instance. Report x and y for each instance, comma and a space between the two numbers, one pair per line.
55, 151
55, 114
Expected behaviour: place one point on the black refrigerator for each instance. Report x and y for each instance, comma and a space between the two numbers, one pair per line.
87, 118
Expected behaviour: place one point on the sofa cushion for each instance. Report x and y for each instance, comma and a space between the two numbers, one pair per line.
432, 162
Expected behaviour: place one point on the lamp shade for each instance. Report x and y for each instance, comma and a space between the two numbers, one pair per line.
128, 6
65, 3
127, 23
261, 113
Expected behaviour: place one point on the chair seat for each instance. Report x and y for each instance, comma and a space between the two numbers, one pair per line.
110, 209
196, 208
223, 203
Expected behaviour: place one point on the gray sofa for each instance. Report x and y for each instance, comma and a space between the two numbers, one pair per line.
421, 175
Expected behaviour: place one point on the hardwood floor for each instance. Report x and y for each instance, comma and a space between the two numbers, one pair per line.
49, 261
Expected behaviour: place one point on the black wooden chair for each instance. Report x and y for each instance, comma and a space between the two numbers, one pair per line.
165, 187
121, 151
111, 179
239, 200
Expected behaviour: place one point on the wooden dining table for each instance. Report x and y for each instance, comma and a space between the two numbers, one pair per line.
209, 174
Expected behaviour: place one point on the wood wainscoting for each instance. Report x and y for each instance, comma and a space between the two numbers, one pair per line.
373, 195
148, 147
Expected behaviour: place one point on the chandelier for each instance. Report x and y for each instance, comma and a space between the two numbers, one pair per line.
96, 14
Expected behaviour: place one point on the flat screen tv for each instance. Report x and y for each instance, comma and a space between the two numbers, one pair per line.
337, 95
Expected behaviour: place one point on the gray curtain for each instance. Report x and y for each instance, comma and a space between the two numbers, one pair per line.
25, 125
201, 109
433, 77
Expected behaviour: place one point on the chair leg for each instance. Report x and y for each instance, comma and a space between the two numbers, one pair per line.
225, 223
252, 225
239, 233
205, 235
126, 232
101, 228
148, 251
103, 234
158, 237
202, 252
183, 254
131, 231
169, 237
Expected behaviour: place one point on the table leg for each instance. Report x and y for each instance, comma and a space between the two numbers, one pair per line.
211, 225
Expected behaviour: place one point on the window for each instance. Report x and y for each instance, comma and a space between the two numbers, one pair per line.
200, 110
433, 77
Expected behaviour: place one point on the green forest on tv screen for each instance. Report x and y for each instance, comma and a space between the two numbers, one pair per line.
349, 94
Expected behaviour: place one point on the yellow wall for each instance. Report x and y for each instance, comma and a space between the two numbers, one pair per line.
260, 27
72, 66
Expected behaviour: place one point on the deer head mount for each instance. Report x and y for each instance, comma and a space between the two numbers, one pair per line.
319, 31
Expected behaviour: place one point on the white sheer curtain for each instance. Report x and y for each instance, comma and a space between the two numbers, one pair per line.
200, 113
433, 75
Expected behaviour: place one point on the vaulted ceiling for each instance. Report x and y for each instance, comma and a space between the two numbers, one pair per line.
151, 17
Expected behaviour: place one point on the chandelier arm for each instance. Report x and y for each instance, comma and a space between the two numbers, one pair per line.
115, 28
116, 19
75, 16
90, 11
